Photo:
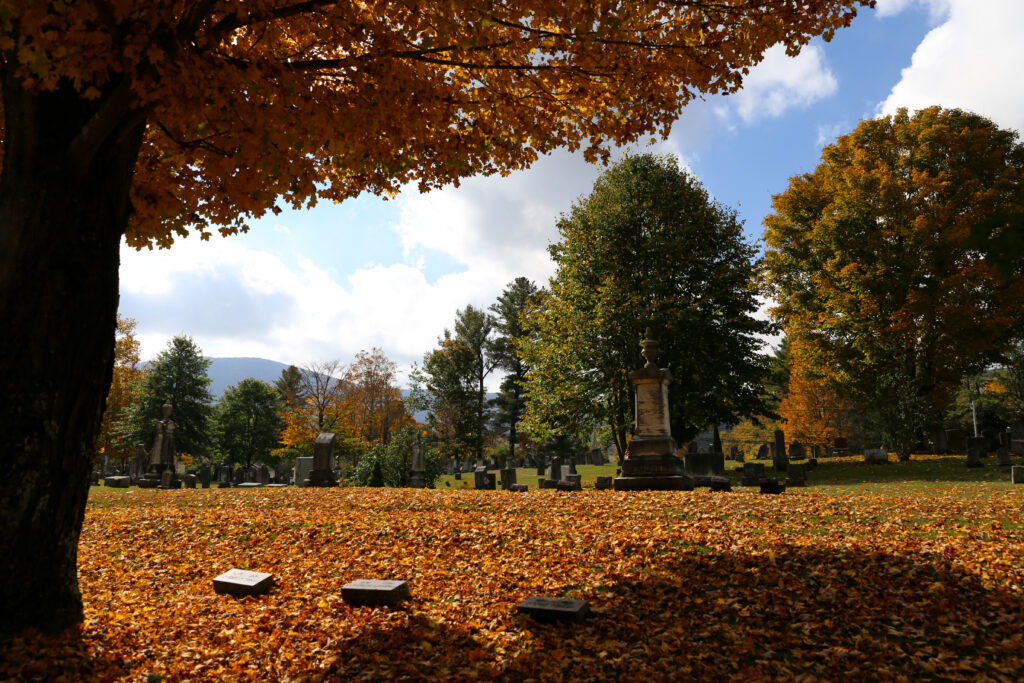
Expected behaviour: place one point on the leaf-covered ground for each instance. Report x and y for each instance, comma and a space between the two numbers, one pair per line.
806, 585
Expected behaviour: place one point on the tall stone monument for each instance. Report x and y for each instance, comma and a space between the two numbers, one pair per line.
162, 457
323, 456
417, 476
652, 462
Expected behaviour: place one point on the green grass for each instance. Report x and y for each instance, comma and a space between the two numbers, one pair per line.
924, 473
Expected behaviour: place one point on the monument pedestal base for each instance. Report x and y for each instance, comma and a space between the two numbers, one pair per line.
320, 478
653, 473
417, 480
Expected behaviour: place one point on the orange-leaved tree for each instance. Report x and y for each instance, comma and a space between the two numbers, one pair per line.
811, 411
112, 440
870, 258
152, 118
372, 399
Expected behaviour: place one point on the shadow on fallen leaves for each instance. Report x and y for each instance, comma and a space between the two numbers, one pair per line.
699, 585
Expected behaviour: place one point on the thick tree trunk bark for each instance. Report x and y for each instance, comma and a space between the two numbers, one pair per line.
64, 198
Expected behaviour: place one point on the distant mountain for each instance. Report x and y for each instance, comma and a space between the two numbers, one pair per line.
226, 372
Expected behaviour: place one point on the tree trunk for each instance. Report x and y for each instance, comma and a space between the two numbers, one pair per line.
64, 197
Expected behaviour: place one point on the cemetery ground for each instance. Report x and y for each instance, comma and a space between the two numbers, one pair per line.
882, 572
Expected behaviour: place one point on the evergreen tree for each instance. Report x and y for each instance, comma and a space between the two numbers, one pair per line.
290, 386
177, 376
509, 312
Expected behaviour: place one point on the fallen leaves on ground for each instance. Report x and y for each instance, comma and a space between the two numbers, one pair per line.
682, 585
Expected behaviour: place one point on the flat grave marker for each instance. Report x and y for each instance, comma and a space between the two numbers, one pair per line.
554, 609
373, 592
243, 582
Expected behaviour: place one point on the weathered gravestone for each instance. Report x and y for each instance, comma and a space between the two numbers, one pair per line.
417, 473
190, 481
795, 475
1003, 457
224, 477
554, 609
603, 482
720, 483
323, 457
118, 482
753, 474
519, 488
840, 447
554, 473
991, 437
303, 466
1017, 474
977, 447
762, 452
483, 480
370, 592
571, 482
652, 463
167, 479
815, 451
243, 582
940, 444
204, 476
263, 474
796, 451
541, 464
876, 456
508, 478
779, 459
772, 486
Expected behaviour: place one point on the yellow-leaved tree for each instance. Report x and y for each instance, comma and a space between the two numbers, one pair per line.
148, 119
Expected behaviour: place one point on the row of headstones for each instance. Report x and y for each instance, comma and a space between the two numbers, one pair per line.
255, 475
391, 592
754, 474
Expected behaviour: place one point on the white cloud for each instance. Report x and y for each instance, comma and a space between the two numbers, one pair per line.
937, 9
970, 61
827, 134
780, 83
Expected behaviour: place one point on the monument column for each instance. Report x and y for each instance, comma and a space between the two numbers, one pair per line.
652, 462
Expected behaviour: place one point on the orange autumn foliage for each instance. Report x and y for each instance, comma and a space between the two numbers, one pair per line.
248, 102
811, 411
897, 586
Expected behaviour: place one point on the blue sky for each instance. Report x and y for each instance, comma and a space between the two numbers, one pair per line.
324, 283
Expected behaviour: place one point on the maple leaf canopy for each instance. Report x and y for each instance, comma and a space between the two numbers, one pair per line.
249, 103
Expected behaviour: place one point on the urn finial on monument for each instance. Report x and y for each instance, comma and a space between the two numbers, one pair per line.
650, 349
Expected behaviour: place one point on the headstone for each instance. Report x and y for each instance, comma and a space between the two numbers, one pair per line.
955, 441
753, 474
876, 456
368, 592
1017, 446
322, 473
519, 488
840, 446
940, 445
147, 483
303, 466
603, 482
1003, 457
95, 478
555, 470
779, 459
137, 465
190, 481
243, 582
796, 451
772, 486
1017, 430
575, 479
483, 480
703, 465
795, 475
166, 479
163, 455
762, 452
205, 476
263, 474
721, 484
976, 449
118, 482
653, 463
554, 609
991, 437
815, 451
417, 473
508, 478
541, 464
1017, 474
